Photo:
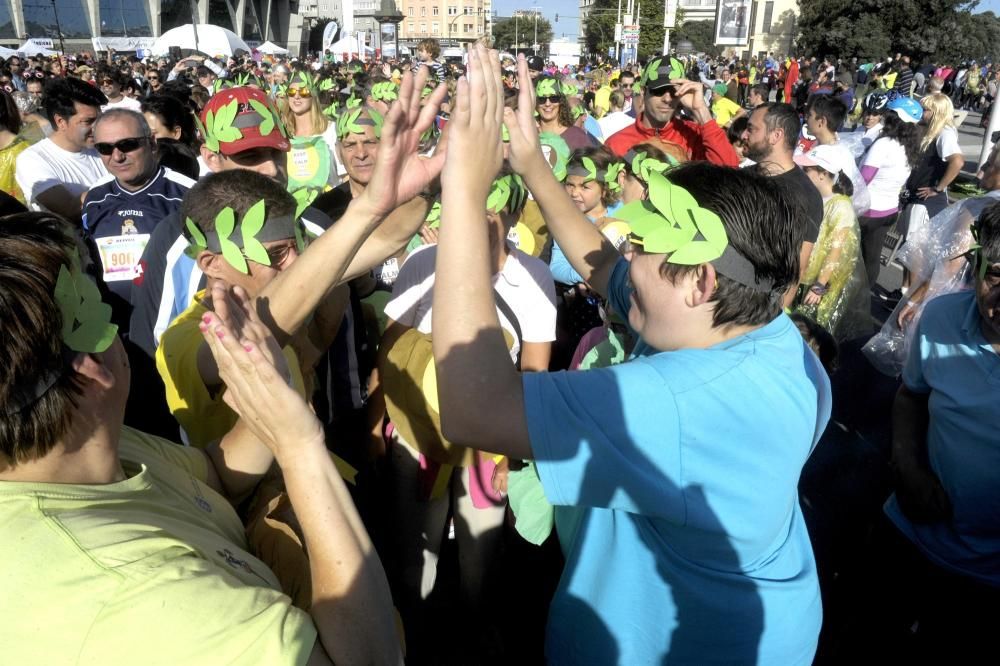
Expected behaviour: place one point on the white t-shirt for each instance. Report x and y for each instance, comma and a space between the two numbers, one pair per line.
889, 157
125, 103
614, 122
525, 283
45, 165
861, 198
947, 143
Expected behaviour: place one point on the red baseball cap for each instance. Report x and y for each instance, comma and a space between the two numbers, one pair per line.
238, 117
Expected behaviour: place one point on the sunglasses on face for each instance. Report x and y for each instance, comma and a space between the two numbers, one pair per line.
152, 78
107, 82
660, 91
304, 93
551, 99
123, 146
279, 255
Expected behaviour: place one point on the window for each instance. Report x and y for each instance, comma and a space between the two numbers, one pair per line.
6, 22
435, 28
423, 28
409, 26
409, 11
452, 11
39, 20
423, 11
122, 18
435, 10
466, 27
768, 11
469, 10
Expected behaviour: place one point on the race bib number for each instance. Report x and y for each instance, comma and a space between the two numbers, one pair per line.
388, 272
120, 255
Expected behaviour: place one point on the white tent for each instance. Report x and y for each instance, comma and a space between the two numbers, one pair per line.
6, 53
271, 48
31, 48
349, 45
209, 39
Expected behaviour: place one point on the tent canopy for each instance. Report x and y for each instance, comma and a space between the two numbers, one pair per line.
271, 49
31, 48
209, 39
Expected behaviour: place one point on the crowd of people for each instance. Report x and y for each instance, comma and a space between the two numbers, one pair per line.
271, 395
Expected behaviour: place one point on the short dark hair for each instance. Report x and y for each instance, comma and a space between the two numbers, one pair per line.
783, 117
988, 230
61, 93
238, 189
761, 90
829, 108
106, 72
431, 45
762, 226
33, 246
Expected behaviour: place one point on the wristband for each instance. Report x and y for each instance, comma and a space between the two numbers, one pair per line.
819, 289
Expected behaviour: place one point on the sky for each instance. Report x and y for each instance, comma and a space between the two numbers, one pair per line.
989, 5
567, 27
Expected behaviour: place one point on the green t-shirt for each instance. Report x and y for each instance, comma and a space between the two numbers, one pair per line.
150, 570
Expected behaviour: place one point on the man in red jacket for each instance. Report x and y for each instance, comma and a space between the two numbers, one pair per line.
665, 90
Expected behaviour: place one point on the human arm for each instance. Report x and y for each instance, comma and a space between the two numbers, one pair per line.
560, 267
400, 174
60, 201
947, 145
919, 491
715, 146
589, 252
479, 391
351, 605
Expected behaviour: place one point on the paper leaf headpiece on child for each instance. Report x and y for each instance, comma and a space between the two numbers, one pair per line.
507, 192
236, 248
86, 319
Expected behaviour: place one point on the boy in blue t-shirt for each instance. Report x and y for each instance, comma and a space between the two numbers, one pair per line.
674, 475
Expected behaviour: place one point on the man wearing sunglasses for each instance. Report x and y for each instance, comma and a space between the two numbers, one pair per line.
113, 83
121, 211
56, 172
665, 93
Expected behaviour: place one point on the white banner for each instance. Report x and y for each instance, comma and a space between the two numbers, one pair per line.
329, 33
117, 43
670, 18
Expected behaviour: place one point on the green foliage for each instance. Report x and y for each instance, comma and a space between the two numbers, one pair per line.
504, 33
599, 27
942, 30
701, 35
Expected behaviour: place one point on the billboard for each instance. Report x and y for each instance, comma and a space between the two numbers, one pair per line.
732, 22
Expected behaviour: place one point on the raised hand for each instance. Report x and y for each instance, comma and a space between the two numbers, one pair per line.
525, 149
256, 375
475, 150
400, 172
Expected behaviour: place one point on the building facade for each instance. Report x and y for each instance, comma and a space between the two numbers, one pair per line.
279, 21
451, 21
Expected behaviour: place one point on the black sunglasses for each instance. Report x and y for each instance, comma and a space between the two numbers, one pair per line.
551, 99
660, 91
123, 146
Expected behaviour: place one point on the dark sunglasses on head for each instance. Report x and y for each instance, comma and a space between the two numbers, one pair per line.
660, 91
123, 146
551, 99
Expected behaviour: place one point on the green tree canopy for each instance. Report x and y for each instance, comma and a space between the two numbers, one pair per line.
599, 27
504, 33
701, 35
873, 29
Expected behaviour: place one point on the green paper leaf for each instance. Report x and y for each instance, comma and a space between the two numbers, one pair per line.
225, 224
267, 124
197, 237
210, 141
676, 69
694, 253
591, 168
250, 226
86, 320
546, 88
433, 218
710, 226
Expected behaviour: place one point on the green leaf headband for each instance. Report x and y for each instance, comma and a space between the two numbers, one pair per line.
577, 111
561, 149
671, 222
641, 164
302, 80
354, 121
331, 111
219, 128
589, 171
433, 218
671, 68
568, 89
249, 243
352, 102
86, 329
980, 263
385, 91
507, 191
547, 88
86, 319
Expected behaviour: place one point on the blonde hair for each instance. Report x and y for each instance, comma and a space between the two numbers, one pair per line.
318, 122
942, 115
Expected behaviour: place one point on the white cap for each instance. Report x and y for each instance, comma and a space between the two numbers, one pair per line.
828, 158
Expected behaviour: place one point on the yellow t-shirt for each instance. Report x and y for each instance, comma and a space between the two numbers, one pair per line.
204, 417
724, 109
154, 569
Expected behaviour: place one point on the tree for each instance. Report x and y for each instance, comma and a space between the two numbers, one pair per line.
599, 27
873, 29
701, 34
503, 33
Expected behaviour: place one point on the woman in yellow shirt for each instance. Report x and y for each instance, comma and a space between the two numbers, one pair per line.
11, 145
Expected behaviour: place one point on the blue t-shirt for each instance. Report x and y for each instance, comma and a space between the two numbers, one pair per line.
951, 360
674, 478
559, 265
